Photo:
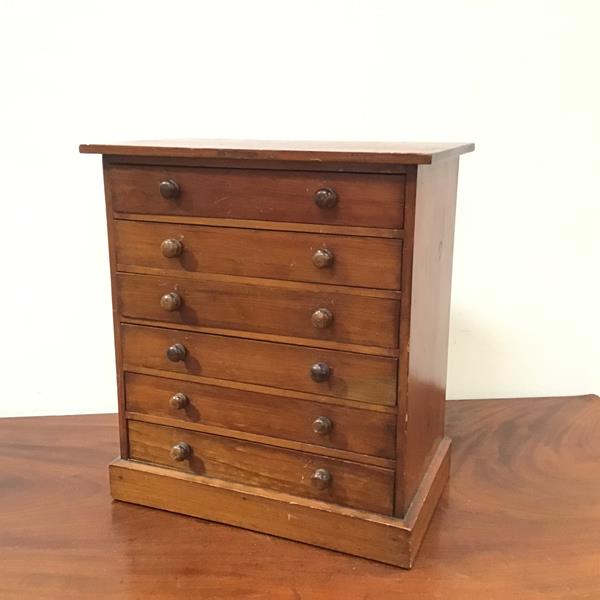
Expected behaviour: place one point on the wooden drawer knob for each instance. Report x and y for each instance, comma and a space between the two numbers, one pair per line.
171, 248
176, 352
322, 425
171, 301
326, 198
322, 318
320, 372
178, 401
322, 258
321, 479
168, 189
180, 451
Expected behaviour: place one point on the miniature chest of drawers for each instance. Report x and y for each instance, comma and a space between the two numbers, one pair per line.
281, 322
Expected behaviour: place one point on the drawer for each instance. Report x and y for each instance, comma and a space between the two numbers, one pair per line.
350, 484
327, 316
343, 260
343, 374
364, 200
355, 430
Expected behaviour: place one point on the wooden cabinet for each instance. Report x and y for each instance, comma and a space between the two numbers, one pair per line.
281, 325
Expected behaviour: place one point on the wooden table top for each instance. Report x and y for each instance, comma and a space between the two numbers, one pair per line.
519, 520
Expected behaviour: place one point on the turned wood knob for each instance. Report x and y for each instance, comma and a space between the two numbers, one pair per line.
170, 301
322, 318
322, 425
320, 372
178, 401
180, 451
325, 198
168, 189
322, 258
176, 352
171, 248
321, 479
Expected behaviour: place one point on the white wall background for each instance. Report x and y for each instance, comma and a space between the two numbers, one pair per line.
518, 77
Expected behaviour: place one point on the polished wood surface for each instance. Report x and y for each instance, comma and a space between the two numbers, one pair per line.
423, 363
261, 438
262, 389
209, 406
519, 520
279, 150
304, 313
353, 230
112, 253
258, 465
364, 378
357, 261
366, 200
329, 525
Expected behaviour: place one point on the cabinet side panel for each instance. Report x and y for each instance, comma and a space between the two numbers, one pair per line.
112, 246
435, 207
403, 337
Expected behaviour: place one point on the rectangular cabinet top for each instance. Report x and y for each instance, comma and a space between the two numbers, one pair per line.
407, 153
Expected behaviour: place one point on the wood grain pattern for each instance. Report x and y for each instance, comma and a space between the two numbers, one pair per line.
279, 150
261, 309
431, 275
269, 337
276, 283
359, 261
269, 391
227, 459
310, 166
373, 535
353, 230
355, 430
365, 459
356, 377
376, 536
404, 338
518, 520
112, 253
364, 199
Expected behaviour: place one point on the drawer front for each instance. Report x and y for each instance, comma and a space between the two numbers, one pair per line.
351, 484
355, 430
364, 200
341, 260
348, 375
268, 310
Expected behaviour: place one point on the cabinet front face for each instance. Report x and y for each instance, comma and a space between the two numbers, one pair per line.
287, 335
284, 344
280, 335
